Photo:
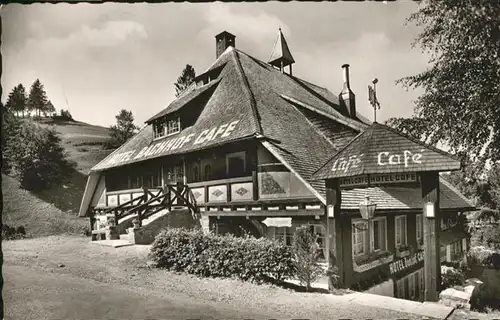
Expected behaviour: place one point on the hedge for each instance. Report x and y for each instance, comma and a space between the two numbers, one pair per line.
208, 255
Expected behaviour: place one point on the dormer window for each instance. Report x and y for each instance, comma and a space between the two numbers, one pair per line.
167, 127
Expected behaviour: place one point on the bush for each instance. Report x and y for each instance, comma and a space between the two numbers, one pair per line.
480, 256
64, 115
451, 277
11, 233
487, 235
306, 256
208, 255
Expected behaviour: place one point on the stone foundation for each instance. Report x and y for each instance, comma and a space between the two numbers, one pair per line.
460, 297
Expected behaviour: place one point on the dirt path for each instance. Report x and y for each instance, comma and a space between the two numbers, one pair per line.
78, 258
44, 295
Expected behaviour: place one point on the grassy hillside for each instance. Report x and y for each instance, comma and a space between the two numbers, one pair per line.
54, 211
82, 141
23, 208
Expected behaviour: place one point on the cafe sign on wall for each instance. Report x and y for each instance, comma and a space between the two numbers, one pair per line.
383, 159
406, 262
177, 142
379, 179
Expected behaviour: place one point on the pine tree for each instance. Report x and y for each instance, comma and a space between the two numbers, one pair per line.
306, 258
17, 100
185, 79
37, 99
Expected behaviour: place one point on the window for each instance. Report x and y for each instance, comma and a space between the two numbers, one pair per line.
320, 231
196, 173
159, 130
285, 234
379, 234
359, 238
165, 128
400, 231
207, 172
420, 228
173, 126
456, 250
236, 164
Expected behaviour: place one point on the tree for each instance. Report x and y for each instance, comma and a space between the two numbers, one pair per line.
461, 98
37, 99
185, 80
17, 100
35, 156
305, 250
49, 108
123, 130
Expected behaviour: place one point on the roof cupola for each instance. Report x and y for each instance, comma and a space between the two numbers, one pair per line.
281, 55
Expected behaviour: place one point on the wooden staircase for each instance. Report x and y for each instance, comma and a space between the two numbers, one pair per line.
145, 207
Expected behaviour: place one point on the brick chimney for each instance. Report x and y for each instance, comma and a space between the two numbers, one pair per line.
222, 41
347, 98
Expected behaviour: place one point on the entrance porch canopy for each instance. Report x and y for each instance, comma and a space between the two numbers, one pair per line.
382, 150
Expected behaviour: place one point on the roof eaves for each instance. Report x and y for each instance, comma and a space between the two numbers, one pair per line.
353, 124
420, 142
456, 191
249, 92
93, 169
215, 145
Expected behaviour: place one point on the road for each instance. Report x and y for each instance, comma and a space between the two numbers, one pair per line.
33, 294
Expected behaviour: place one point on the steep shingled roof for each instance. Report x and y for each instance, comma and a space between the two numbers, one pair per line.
381, 149
289, 113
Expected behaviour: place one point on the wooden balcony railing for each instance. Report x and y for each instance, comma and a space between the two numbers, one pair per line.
148, 202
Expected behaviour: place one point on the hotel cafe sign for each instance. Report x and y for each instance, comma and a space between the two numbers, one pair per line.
404, 159
406, 262
196, 138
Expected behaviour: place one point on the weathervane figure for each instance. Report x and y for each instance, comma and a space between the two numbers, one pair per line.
372, 97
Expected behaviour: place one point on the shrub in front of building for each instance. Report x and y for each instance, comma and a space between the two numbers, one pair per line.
451, 277
306, 256
208, 255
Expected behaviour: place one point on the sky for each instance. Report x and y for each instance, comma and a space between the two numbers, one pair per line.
95, 59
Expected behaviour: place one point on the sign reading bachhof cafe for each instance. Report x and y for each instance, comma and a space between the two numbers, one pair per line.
250, 147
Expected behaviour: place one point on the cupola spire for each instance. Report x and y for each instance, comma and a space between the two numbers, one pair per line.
281, 55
